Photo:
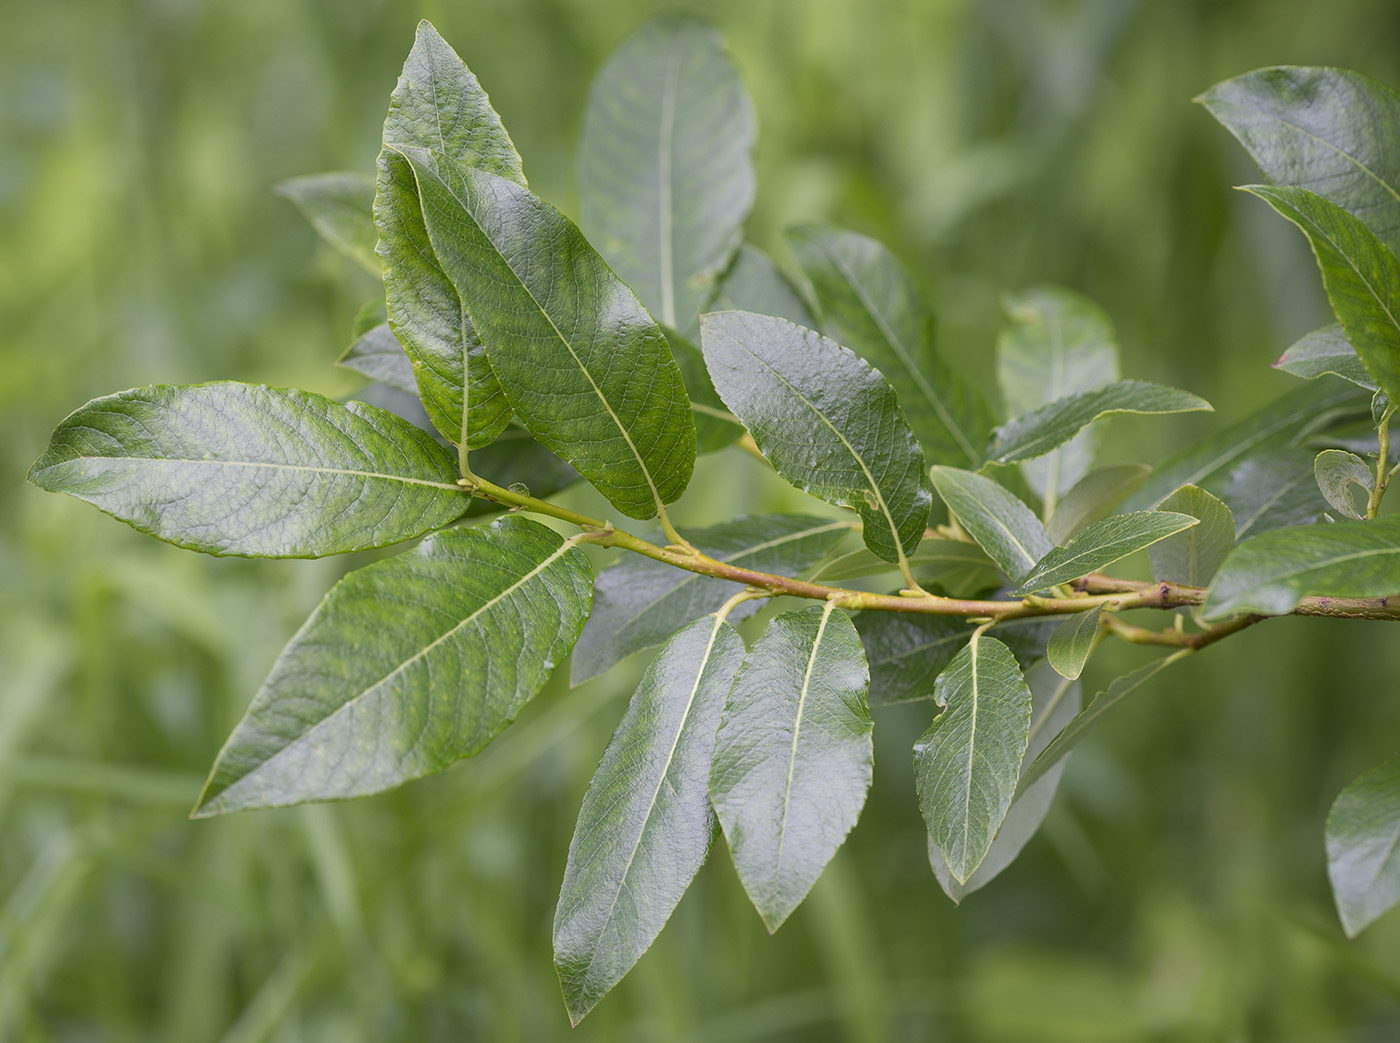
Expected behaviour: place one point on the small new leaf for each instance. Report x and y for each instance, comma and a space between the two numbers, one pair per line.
1326, 351
379, 355
1072, 641
1363, 847
1336, 472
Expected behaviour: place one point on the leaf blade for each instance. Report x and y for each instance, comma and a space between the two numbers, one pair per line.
1194, 555
1093, 496
1101, 544
378, 355
1363, 847
340, 206
1336, 471
1072, 641
1326, 351
1001, 524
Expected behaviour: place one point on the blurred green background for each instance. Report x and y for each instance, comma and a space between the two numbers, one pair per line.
1177, 891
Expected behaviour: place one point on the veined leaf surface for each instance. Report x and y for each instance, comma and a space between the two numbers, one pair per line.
340, 206
906, 651
1194, 555
1363, 847
1002, 525
1101, 544
1336, 472
1326, 351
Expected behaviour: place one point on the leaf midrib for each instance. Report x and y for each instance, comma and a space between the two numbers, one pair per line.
270, 466
665, 190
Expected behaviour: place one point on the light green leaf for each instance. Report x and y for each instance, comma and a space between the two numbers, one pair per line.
646, 825
584, 366
907, 651
1093, 496
1194, 556
265, 472
438, 104
1363, 847
639, 602
825, 420
967, 762
1054, 701
1106, 541
1326, 351
870, 303
1334, 132
407, 665
1058, 344
1002, 525
794, 756
715, 426
1360, 273
754, 284
1035, 434
340, 206
1072, 642
1275, 489
665, 169
1336, 472
935, 557
1271, 573
379, 356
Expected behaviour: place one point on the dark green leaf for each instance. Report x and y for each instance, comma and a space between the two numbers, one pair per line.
1101, 544
935, 557
715, 426
1035, 434
1005, 527
646, 825
379, 356
340, 206
1363, 847
1093, 496
1271, 573
1326, 351
265, 472
1274, 489
585, 367
907, 651
754, 284
1072, 642
967, 762
870, 303
406, 666
793, 757
640, 602
665, 174
1336, 472
1194, 556
825, 420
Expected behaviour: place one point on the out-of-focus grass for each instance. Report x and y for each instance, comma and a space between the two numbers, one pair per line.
1177, 892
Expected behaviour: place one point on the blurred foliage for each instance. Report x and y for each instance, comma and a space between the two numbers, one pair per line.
1177, 892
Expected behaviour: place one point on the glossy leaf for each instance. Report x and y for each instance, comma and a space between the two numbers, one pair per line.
438, 104
379, 355
646, 825
907, 651
1363, 847
1035, 434
1058, 344
1002, 525
1093, 496
870, 303
638, 602
1101, 544
584, 366
1326, 351
967, 762
1360, 272
1334, 132
825, 420
245, 469
1275, 489
1072, 642
793, 757
1336, 472
1271, 573
1194, 555
715, 426
754, 284
665, 172
340, 206
935, 557
407, 665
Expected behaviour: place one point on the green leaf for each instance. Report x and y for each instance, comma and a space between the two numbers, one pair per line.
967, 762
646, 826
1058, 344
1194, 556
639, 602
1002, 525
1271, 573
1035, 434
340, 206
754, 284
1360, 273
379, 356
665, 169
1363, 847
870, 303
1275, 489
793, 757
1088, 720
1093, 496
1072, 642
1326, 351
439, 105
907, 651
1054, 701
245, 469
406, 666
1336, 471
825, 420
1334, 132
715, 426
935, 557
1101, 544
584, 366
